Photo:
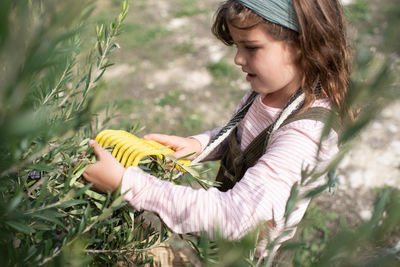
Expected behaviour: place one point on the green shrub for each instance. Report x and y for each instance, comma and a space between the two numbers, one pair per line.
49, 216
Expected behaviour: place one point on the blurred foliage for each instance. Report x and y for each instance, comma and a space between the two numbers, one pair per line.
221, 69
184, 48
48, 215
358, 12
171, 98
187, 8
369, 244
141, 34
313, 235
192, 121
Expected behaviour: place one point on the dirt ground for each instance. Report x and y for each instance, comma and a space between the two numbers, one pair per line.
373, 162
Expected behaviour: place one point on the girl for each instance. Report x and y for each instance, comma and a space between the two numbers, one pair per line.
282, 45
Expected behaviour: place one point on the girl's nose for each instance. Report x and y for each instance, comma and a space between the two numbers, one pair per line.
239, 58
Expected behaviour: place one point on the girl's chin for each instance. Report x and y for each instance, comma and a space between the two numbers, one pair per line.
259, 89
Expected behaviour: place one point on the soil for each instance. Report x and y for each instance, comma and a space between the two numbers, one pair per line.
373, 162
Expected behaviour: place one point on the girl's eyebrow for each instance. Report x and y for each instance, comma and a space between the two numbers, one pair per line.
247, 41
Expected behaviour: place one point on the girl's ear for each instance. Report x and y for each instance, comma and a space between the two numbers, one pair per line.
296, 53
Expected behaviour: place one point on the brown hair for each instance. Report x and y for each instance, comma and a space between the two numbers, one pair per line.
321, 40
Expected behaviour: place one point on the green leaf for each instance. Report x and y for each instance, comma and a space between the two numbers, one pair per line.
82, 190
84, 142
82, 166
291, 203
148, 259
48, 246
87, 213
71, 203
293, 245
100, 33
95, 195
209, 182
98, 205
316, 191
355, 128
122, 17
100, 75
105, 214
43, 193
99, 47
105, 258
14, 203
20, 227
190, 170
112, 48
106, 65
117, 202
380, 207
32, 250
90, 193
82, 225
88, 78
47, 217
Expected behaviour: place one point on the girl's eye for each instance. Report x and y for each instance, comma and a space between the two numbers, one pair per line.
251, 48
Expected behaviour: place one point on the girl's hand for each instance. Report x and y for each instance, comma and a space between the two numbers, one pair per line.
181, 145
106, 174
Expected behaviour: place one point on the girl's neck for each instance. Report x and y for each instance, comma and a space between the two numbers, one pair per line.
277, 99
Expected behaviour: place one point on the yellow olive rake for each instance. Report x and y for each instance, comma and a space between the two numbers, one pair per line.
129, 150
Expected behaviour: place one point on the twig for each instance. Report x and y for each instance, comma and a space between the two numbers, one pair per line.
58, 84
98, 251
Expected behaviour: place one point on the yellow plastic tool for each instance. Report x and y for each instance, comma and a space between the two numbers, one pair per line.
129, 150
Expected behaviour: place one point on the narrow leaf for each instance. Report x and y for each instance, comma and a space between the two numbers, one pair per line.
71, 203
20, 227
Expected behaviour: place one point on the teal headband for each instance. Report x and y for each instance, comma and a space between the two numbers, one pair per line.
277, 11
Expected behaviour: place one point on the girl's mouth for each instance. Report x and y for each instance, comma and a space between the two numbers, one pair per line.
250, 77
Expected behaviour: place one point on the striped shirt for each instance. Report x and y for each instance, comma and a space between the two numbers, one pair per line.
261, 194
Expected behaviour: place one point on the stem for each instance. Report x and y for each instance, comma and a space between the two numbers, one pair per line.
98, 251
108, 42
269, 261
58, 84
103, 57
43, 208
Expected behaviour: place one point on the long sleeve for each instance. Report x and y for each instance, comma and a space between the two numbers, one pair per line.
260, 196
205, 138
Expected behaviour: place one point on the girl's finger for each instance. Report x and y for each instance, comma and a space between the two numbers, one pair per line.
97, 149
161, 138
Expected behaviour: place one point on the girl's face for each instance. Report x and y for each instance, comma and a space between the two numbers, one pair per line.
270, 64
